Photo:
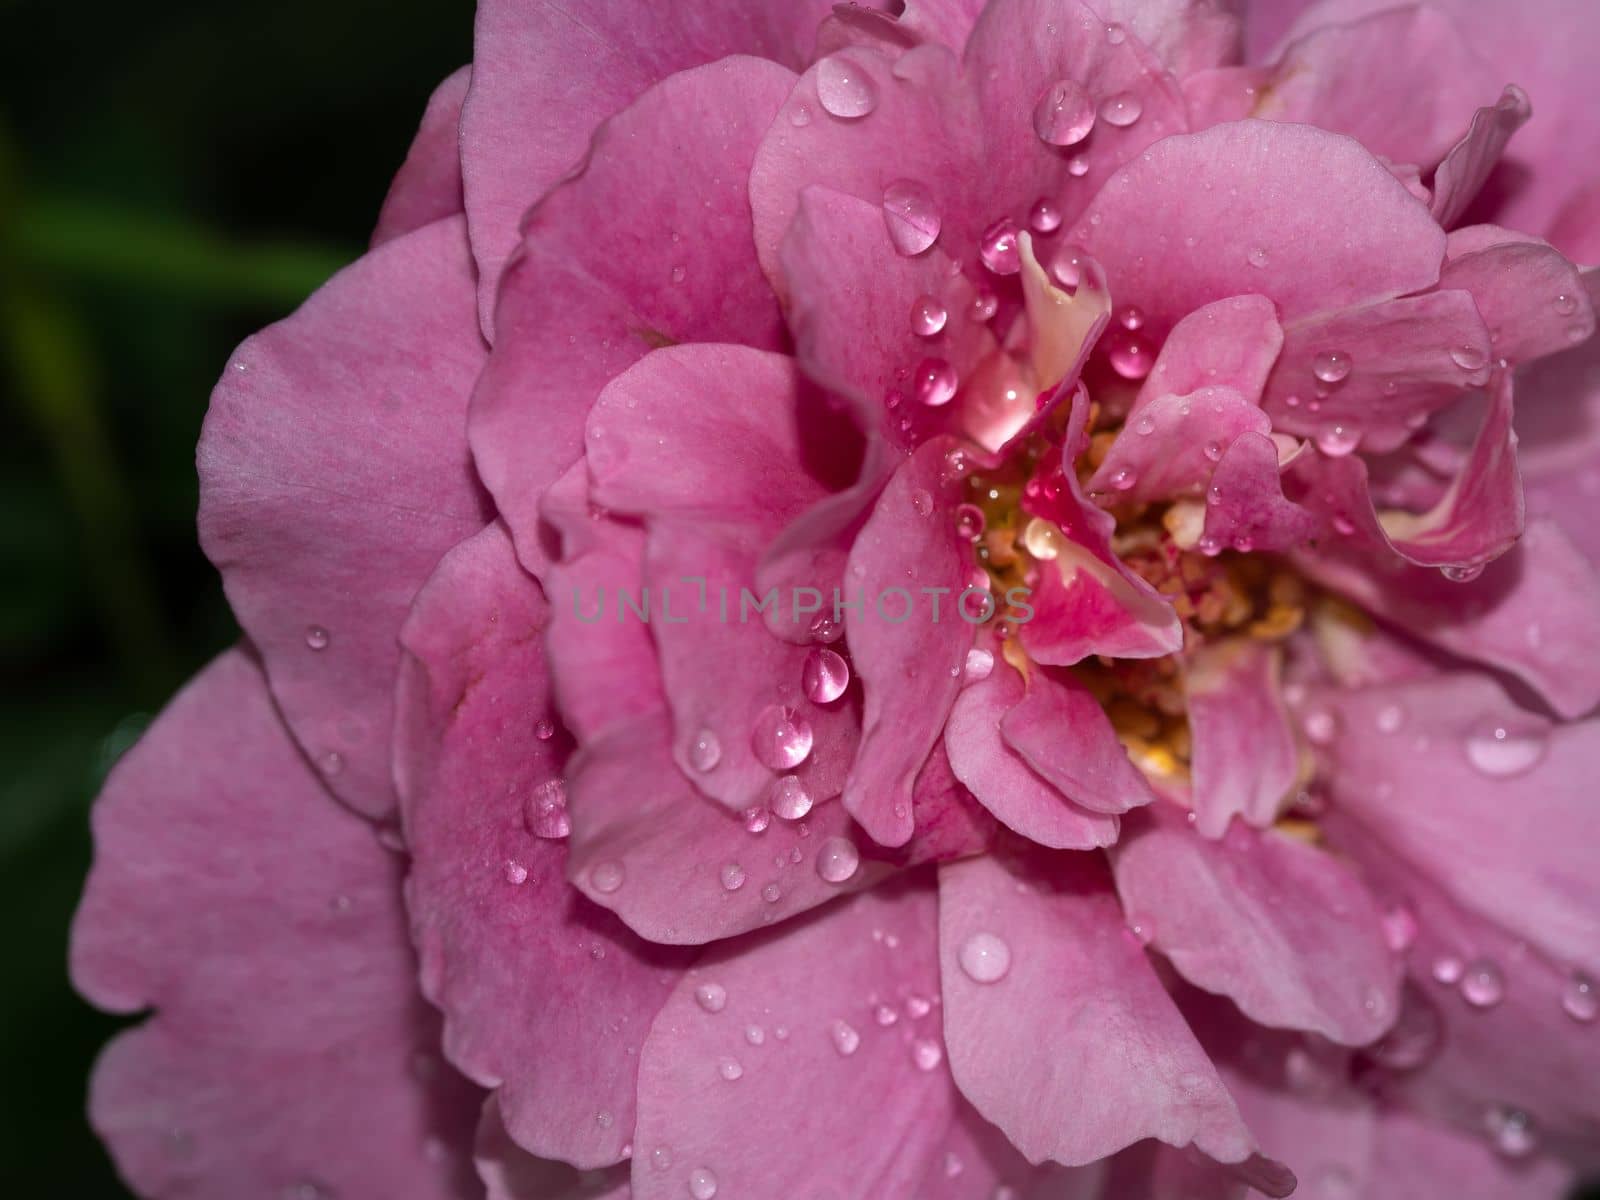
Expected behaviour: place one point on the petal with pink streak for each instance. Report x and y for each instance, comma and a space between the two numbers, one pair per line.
681, 869
333, 474
290, 1049
1399, 81
907, 654
1415, 1157
427, 187
1534, 612
1074, 1049
1245, 757
546, 997
1090, 603
1284, 930
1322, 226
1470, 161
648, 244
797, 1040
1532, 299
1003, 781
510, 1173
1061, 730
1403, 359
573, 72
1245, 505
1169, 446
1230, 343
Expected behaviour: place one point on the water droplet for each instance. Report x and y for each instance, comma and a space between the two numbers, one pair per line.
1067, 267
970, 522
998, 247
755, 1035
606, 877
1390, 718
732, 875
927, 1054
678, 274
1508, 747
922, 501
1399, 928
516, 873
316, 637
661, 1158
1566, 305
1482, 984
1257, 256
825, 629
544, 729
917, 1006
985, 958
1331, 366
910, 216
1321, 726
702, 1183
545, 813
837, 860
825, 676
1469, 358
1580, 998
730, 1069
705, 752
604, 1120
1462, 572
936, 382
1336, 441
1447, 969
1130, 316
979, 665
1064, 114
1123, 479
789, 797
712, 997
1078, 166
332, 763
1044, 216
1116, 34
928, 316
1511, 1130
1130, 354
984, 305
844, 1038
780, 738
772, 893
844, 88
1121, 110
800, 116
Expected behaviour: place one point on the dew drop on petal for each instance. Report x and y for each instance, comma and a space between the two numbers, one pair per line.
1130, 355
910, 216
927, 1054
779, 738
545, 813
545, 729
1116, 34
1580, 999
1399, 928
661, 1158
1321, 726
1511, 1130
928, 316
936, 382
1482, 984
826, 630
332, 763
1506, 748
772, 893
1066, 267
1390, 718
1257, 256
1064, 114
757, 818
1469, 358
837, 860
1044, 216
730, 1069
1336, 441
712, 997
844, 1037
1462, 572
606, 877
998, 247
1331, 366
985, 958
705, 752
1447, 969
316, 637
1130, 316
755, 1035
844, 88
825, 675
1566, 305
1121, 110
970, 522
984, 305
922, 501
789, 797
702, 1184
516, 873
1078, 166
732, 875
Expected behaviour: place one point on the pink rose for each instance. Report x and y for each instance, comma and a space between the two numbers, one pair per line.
949, 613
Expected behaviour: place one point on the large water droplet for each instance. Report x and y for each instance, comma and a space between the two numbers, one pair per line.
1469, 358
844, 1037
1482, 984
910, 217
544, 729
712, 997
837, 860
1505, 748
1580, 998
1462, 572
780, 739
998, 247
1130, 354
1121, 110
705, 752
702, 1183
1336, 441
606, 877
1064, 114
732, 876
516, 873
1044, 216
936, 382
825, 675
844, 88
789, 797
928, 316
545, 813
316, 637
985, 958
1331, 366
757, 818
730, 1069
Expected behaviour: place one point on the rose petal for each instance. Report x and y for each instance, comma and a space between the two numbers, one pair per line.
1245, 758
1470, 161
1063, 733
427, 187
511, 1173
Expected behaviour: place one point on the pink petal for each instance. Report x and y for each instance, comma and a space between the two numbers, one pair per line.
427, 187
290, 1047
978, 1160
1002, 780
333, 474
1576, 230
1170, 445
650, 243
511, 1173
1327, 223
908, 665
1470, 161
1231, 343
825, 1098
1404, 359
1285, 931
1188, 35
544, 994
1245, 757
1245, 505
1075, 1050
1415, 1156
1532, 299
947, 21
1062, 732
574, 72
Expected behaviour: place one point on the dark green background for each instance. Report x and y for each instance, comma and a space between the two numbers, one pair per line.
173, 175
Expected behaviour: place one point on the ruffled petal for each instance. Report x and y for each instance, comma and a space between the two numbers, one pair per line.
1469, 163
510, 1173
1170, 445
427, 187
333, 475
1245, 504
1532, 299
1060, 1032
290, 1050
1245, 758
1230, 344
